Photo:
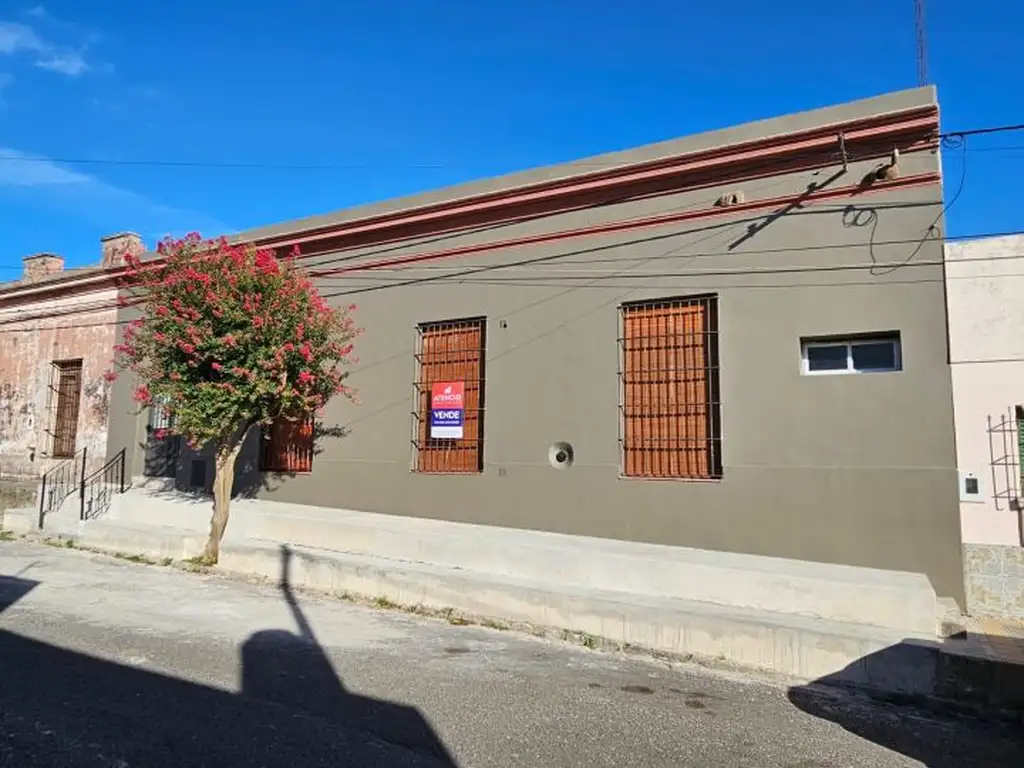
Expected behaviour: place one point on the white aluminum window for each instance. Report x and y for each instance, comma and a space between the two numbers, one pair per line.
868, 354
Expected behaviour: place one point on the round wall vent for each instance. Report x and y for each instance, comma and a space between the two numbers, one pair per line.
560, 455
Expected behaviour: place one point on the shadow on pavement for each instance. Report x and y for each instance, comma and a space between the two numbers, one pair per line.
63, 708
981, 693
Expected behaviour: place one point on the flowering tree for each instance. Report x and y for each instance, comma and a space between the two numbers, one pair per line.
230, 338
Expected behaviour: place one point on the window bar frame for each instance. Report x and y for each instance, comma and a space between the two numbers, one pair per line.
58, 369
712, 442
420, 414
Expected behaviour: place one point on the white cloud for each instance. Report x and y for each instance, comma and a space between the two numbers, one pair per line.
71, 64
20, 39
85, 196
21, 169
16, 38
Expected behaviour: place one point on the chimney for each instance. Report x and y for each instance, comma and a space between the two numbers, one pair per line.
39, 266
116, 246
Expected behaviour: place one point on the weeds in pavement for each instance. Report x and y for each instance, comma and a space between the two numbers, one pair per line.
167, 561
59, 542
7, 536
140, 559
385, 604
591, 642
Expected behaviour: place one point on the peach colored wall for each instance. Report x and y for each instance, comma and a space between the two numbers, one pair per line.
27, 350
985, 293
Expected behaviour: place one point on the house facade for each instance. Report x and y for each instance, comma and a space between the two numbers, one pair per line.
734, 341
58, 328
986, 341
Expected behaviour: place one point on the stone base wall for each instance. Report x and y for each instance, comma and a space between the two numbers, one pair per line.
994, 577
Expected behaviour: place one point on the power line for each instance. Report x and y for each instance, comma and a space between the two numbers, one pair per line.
930, 234
222, 165
982, 131
598, 280
836, 155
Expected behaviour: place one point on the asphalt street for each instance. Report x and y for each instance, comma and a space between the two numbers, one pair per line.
110, 663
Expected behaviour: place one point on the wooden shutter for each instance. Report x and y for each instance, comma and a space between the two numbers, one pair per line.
68, 391
451, 352
288, 446
670, 389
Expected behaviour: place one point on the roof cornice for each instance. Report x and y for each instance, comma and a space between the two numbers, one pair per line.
908, 130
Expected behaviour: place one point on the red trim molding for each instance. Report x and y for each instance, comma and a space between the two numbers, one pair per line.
864, 139
772, 203
870, 138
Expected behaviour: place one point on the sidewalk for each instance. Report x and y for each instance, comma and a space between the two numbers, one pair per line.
981, 669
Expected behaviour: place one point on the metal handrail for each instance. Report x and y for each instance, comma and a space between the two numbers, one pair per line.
60, 481
95, 489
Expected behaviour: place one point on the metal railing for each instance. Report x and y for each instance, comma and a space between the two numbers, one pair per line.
98, 489
60, 482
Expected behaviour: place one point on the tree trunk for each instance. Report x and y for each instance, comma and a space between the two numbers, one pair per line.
223, 482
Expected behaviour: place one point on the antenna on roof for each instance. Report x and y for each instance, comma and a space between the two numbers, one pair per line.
922, 43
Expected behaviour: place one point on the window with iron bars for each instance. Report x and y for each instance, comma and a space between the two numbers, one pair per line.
449, 357
65, 397
670, 411
287, 446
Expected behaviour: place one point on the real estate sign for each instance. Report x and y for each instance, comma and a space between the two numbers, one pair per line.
447, 410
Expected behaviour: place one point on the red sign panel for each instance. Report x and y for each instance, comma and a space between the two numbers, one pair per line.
447, 395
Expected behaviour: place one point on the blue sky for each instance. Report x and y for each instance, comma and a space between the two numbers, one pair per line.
416, 94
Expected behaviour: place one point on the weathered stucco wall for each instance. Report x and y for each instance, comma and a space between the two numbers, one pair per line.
49, 330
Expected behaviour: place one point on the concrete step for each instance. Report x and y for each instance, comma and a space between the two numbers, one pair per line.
794, 646
896, 600
154, 541
21, 520
791, 645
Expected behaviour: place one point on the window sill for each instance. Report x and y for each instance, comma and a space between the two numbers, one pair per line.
848, 372
652, 479
447, 473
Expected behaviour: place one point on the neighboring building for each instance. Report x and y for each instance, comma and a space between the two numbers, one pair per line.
653, 345
57, 328
986, 341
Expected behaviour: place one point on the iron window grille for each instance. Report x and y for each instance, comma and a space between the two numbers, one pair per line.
670, 424
450, 352
1005, 444
287, 446
159, 418
65, 395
